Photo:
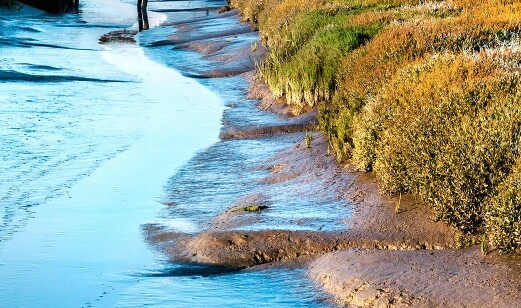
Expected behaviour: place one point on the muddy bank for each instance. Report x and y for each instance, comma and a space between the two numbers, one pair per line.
446, 278
228, 240
233, 237
390, 253
227, 46
290, 120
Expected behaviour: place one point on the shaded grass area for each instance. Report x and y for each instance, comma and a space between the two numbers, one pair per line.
424, 93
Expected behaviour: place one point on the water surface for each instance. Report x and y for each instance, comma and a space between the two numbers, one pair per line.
90, 136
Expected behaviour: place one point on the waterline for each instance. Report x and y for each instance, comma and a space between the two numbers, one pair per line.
81, 249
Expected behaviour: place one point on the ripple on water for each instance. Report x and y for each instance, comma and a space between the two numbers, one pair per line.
59, 122
196, 286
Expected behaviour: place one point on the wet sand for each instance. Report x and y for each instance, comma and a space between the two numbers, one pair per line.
371, 253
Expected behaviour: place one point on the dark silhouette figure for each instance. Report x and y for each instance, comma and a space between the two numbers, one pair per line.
142, 15
71, 6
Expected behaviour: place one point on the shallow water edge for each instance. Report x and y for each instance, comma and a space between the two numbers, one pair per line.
93, 170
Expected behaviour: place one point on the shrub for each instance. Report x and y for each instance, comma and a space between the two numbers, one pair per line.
447, 129
249, 9
283, 18
503, 213
309, 76
365, 70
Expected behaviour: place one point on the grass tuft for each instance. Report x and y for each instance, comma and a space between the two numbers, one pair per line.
254, 208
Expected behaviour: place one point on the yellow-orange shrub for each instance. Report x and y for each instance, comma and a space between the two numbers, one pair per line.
447, 129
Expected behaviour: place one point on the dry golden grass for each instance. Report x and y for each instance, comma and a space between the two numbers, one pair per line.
365, 70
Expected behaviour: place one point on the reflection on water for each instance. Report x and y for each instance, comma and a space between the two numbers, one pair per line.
142, 15
264, 288
184, 270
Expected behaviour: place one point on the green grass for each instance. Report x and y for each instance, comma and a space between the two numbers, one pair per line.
309, 76
303, 63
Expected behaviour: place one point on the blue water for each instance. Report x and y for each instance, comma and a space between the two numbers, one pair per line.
90, 137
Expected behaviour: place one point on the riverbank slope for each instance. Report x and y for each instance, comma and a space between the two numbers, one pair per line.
373, 227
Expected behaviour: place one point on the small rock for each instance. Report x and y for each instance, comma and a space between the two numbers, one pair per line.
223, 9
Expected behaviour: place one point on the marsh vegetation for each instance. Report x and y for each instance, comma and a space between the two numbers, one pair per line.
426, 94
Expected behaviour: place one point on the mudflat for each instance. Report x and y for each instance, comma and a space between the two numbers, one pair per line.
388, 252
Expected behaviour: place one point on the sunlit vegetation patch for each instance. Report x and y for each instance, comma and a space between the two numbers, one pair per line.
447, 129
307, 41
367, 69
308, 75
424, 93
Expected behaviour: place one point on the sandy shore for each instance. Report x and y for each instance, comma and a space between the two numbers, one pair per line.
384, 256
